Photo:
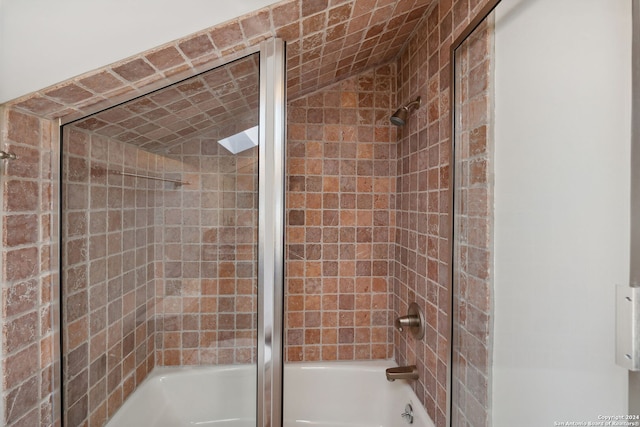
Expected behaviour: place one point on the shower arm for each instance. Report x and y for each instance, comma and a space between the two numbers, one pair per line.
413, 104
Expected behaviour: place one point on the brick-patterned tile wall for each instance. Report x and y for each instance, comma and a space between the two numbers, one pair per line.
340, 184
30, 354
328, 41
421, 269
108, 274
206, 271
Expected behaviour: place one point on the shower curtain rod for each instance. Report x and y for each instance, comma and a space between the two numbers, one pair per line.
155, 178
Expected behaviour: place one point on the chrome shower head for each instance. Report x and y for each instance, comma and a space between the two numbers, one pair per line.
399, 118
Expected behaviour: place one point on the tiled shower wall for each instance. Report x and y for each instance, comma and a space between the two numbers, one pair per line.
108, 275
340, 218
29, 274
206, 270
422, 267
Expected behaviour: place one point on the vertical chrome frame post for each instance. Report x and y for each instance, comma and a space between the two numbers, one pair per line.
634, 267
271, 232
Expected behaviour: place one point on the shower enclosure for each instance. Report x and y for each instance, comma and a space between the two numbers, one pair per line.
172, 237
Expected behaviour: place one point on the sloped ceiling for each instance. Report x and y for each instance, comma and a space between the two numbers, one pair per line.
327, 40
216, 104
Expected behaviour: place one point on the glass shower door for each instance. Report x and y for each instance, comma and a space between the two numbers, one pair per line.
541, 220
164, 236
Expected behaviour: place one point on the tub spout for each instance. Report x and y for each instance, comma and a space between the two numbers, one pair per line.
402, 373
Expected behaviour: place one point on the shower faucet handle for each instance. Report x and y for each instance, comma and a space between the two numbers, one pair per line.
407, 321
414, 321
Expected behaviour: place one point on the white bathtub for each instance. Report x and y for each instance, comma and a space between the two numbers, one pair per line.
335, 394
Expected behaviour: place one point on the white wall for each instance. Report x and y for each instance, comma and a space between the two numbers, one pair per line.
43, 42
562, 147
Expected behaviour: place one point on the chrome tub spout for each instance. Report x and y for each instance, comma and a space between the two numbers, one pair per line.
402, 373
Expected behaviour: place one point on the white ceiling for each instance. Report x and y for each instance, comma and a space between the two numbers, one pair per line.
43, 42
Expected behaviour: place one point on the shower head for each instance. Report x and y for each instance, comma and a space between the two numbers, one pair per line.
399, 118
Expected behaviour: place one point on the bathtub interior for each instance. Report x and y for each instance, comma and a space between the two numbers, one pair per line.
186, 396
337, 394
348, 394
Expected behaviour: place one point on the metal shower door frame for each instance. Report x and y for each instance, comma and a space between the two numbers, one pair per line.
634, 256
271, 203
